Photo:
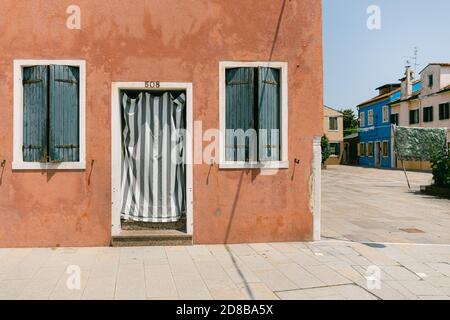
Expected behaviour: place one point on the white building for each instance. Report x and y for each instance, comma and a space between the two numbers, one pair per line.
427, 107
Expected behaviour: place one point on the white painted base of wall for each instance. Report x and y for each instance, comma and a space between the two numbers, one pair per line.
316, 188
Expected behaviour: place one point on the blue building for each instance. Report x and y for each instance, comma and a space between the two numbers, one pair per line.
375, 147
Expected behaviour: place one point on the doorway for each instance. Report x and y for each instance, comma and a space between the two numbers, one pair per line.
346, 153
378, 154
152, 156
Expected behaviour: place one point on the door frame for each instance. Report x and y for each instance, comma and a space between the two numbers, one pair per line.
116, 146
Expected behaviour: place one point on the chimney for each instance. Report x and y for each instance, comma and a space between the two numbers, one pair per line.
407, 86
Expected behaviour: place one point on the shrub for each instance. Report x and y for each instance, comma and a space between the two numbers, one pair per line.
440, 162
325, 144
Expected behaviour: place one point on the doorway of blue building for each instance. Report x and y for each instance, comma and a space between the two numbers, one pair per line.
378, 154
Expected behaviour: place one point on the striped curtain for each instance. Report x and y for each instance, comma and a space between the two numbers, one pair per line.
153, 180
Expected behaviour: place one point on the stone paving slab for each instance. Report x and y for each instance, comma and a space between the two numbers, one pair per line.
363, 255
373, 205
204, 272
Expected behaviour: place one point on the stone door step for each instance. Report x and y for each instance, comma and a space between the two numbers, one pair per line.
143, 238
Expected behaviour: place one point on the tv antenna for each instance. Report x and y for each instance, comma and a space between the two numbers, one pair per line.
413, 60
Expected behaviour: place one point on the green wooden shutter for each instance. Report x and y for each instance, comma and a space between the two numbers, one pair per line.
35, 113
64, 114
239, 112
269, 111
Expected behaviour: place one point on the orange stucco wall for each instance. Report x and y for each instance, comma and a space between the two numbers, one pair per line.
170, 40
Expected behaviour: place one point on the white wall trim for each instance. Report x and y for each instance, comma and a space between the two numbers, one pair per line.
116, 148
18, 163
283, 66
316, 185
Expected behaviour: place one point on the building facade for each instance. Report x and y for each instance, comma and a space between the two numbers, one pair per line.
375, 128
423, 103
333, 127
86, 91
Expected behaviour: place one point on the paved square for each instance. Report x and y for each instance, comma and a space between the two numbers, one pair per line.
363, 204
364, 255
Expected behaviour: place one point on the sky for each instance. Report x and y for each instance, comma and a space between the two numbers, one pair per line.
358, 60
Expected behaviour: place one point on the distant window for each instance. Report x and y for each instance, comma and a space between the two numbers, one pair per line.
430, 81
370, 118
333, 123
414, 116
385, 114
361, 150
394, 119
444, 111
335, 149
385, 149
362, 119
428, 114
370, 149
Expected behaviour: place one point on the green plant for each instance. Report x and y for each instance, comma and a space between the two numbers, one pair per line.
325, 144
350, 120
440, 163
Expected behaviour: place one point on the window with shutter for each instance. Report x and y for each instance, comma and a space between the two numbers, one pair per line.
414, 116
333, 123
240, 105
64, 114
370, 117
428, 114
253, 115
268, 119
35, 114
49, 115
444, 111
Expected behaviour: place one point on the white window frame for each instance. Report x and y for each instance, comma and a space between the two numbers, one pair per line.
18, 163
283, 67
385, 114
337, 124
370, 117
362, 119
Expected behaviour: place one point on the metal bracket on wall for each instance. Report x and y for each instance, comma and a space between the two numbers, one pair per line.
3, 165
209, 171
90, 172
296, 162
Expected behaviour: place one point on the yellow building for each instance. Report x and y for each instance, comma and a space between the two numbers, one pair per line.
333, 128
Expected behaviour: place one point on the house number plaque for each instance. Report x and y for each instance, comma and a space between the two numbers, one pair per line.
152, 84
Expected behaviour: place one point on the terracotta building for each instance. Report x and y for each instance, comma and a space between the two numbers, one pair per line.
90, 87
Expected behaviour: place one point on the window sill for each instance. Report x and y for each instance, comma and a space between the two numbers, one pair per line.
255, 165
49, 166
